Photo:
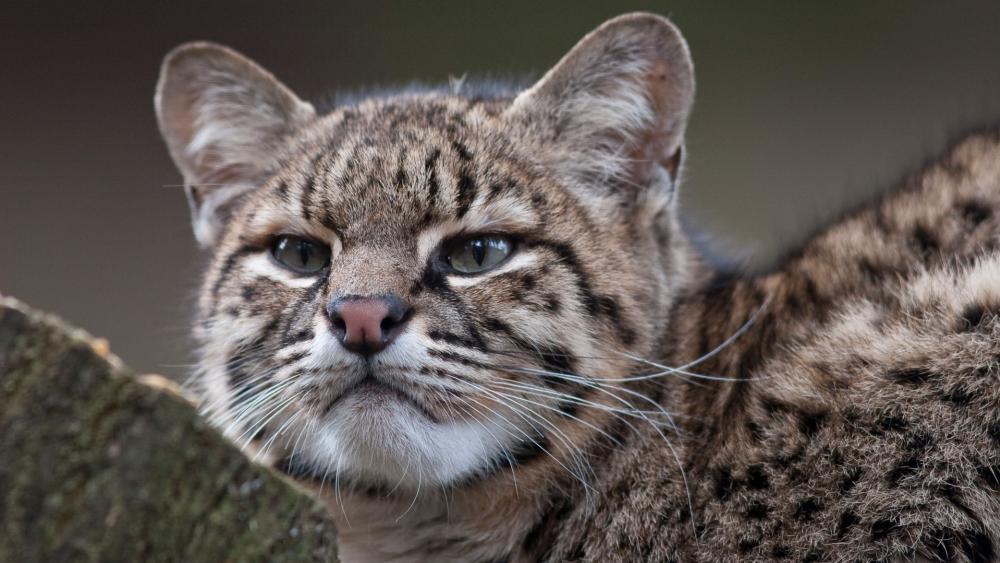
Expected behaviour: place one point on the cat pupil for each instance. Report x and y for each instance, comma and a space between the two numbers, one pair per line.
478, 251
304, 248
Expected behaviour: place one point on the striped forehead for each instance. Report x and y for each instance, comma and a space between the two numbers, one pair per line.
378, 181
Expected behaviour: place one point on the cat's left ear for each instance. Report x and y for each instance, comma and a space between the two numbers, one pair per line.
612, 113
224, 119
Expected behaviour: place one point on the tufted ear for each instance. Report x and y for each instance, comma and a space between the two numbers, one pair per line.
611, 114
224, 119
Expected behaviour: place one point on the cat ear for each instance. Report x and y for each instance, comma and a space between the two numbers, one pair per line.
224, 119
612, 112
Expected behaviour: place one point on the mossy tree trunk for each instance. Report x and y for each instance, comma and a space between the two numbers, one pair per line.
96, 465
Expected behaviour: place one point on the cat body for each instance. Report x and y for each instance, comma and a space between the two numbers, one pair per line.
475, 327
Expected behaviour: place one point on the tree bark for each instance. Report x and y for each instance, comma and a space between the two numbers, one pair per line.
96, 465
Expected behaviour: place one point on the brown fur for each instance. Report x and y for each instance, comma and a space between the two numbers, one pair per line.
861, 422
841, 408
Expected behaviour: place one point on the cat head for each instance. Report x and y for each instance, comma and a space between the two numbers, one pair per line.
430, 287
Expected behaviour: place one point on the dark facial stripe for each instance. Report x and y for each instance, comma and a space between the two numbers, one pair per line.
297, 311
473, 341
462, 151
228, 264
430, 168
306, 197
466, 193
597, 305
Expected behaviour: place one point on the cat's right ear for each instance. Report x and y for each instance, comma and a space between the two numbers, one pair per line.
224, 118
611, 114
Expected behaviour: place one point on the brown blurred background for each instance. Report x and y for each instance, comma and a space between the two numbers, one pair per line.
803, 109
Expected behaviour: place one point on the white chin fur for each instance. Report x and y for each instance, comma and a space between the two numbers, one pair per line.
391, 442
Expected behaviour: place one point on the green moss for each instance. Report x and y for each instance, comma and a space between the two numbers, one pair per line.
97, 467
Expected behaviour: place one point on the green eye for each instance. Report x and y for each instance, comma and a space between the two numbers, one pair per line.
300, 255
478, 254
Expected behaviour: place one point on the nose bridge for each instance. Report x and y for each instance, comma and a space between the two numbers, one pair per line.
370, 271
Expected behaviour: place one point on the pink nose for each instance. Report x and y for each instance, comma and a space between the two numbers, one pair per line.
366, 325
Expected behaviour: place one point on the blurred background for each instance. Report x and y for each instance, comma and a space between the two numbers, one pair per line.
803, 109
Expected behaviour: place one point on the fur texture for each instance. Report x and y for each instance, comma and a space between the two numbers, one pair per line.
601, 394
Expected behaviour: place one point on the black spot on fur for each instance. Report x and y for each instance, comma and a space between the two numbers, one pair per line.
919, 441
249, 292
806, 509
978, 547
494, 324
990, 475
557, 362
851, 479
724, 483
871, 272
756, 478
810, 422
538, 202
568, 408
773, 405
297, 336
747, 545
975, 212
973, 317
780, 552
904, 468
994, 432
282, 191
957, 396
608, 307
758, 510
892, 423
461, 150
914, 376
925, 241
847, 521
539, 540
881, 528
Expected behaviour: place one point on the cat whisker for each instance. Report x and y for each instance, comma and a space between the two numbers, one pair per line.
534, 442
278, 433
604, 388
503, 449
420, 482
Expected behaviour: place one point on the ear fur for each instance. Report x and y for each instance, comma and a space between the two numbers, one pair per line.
612, 113
224, 118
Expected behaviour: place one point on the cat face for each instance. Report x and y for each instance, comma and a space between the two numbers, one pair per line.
431, 289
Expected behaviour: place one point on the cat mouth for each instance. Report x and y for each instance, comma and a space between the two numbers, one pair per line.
371, 393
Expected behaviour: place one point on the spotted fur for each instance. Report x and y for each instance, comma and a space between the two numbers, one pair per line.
603, 394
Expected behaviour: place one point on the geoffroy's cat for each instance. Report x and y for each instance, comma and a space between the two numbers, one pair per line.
473, 324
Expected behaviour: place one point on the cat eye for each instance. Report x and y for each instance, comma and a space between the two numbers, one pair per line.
478, 254
300, 255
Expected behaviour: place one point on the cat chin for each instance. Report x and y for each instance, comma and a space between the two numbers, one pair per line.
392, 442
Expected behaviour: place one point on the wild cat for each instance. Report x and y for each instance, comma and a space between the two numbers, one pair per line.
474, 324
